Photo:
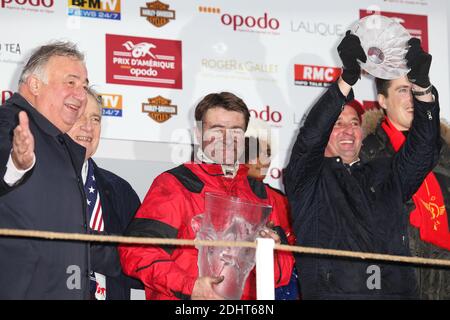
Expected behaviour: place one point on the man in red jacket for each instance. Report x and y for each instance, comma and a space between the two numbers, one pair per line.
176, 196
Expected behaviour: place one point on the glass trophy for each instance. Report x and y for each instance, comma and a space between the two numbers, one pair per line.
228, 219
385, 43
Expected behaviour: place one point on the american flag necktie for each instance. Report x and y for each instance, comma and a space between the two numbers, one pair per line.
94, 206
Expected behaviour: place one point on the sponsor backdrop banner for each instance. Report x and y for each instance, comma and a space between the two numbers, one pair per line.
153, 60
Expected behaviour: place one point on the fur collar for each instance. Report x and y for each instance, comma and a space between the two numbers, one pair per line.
373, 117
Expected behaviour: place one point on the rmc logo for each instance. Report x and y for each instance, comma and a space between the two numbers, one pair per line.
317, 76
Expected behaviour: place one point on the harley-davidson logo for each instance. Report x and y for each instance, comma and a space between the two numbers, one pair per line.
157, 13
159, 109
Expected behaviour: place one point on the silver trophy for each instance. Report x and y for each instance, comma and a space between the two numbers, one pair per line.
385, 43
228, 219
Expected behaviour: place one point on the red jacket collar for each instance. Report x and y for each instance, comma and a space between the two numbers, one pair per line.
214, 169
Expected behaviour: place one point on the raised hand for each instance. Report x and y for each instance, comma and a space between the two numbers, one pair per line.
419, 61
350, 51
23, 144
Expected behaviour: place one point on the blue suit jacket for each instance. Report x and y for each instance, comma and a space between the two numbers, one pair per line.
119, 204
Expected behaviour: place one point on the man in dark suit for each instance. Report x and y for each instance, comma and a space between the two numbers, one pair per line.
40, 182
111, 203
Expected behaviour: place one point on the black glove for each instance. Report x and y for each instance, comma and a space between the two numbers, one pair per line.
419, 61
349, 50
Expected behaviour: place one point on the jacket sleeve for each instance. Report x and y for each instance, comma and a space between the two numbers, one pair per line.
283, 260
130, 202
160, 216
119, 203
308, 151
8, 121
420, 153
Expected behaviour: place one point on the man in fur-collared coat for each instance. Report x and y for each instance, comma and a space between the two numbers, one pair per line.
429, 208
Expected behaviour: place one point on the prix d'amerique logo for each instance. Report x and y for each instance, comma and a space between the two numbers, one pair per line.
143, 61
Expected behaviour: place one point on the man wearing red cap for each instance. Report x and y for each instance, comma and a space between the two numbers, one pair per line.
340, 202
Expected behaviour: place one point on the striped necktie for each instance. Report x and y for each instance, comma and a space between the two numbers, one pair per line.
94, 206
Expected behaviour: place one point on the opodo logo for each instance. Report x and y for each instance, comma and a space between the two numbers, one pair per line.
5, 95
417, 25
321, 28
112, 105
315, 76
267, 114
157, 13
143, 61
159, 109
101, 9
262, 23
28, 5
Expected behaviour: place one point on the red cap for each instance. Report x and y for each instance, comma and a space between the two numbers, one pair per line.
355, 104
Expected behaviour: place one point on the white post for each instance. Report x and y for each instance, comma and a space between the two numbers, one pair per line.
265, 289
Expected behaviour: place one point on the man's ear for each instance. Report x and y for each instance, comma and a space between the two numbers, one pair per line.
198, 134
34, 84
382, 101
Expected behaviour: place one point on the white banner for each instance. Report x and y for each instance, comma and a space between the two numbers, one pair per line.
153, 61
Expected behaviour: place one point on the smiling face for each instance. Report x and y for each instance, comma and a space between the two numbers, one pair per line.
62, 98
398, 103
223, 135
86, 130
346, 138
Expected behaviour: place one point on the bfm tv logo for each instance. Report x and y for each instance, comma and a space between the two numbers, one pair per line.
315, 76
33, 3
416, 25
112, 105
258, 24
101, 9
5, 95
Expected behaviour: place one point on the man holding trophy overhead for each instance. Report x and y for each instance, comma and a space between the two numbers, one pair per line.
386, 130
341, 202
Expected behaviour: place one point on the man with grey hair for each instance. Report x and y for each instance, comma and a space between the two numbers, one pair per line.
111, 204
40, 183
